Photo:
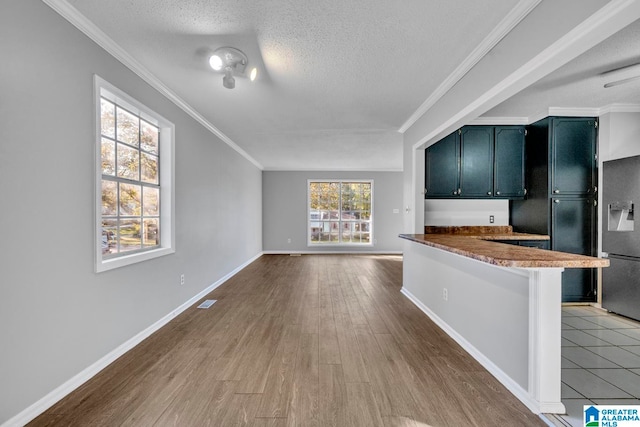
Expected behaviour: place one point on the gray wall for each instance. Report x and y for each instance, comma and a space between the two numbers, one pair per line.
57, 316
284, 204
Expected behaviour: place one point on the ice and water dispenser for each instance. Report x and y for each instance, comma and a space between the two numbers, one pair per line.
620, 216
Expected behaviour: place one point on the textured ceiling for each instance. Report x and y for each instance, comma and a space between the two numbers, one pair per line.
337, 78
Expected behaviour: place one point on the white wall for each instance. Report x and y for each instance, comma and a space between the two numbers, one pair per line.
285, 210
466, 212
619, 135
57, 316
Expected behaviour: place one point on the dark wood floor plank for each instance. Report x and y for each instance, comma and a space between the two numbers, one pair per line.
322, 340
278, 392
304, 404
332, 396
328, 337
362, 409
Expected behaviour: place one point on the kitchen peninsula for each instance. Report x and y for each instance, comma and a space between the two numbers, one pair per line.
500, 302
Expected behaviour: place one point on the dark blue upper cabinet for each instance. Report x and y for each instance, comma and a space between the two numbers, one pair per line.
476, 162
572, 142
442, 162
509, 162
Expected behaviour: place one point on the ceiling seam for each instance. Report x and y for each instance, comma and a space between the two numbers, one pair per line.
78, 20
513, 18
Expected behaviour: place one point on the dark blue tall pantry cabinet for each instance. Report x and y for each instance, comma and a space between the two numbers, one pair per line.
561, 179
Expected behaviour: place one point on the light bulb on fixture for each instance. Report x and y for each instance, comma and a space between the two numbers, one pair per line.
232, 62
216, 62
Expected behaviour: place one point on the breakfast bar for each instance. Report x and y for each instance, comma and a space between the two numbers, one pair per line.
501, 302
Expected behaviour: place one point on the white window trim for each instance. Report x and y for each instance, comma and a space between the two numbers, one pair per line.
341, 245
102, 88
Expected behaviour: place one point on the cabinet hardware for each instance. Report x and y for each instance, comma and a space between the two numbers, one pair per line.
595, 203
556, 201
525, 191
489, 193
497, 193
556, 191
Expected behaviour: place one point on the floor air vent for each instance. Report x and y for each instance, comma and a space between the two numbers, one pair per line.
207, 303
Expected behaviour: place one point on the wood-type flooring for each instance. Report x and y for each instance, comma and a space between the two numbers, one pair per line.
313, 340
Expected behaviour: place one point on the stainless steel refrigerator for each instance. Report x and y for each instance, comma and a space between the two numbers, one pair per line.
621, 236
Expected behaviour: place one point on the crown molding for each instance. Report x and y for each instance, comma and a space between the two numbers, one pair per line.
87, 27
573, 112
620, 108
513, 18
268, 169
499, 121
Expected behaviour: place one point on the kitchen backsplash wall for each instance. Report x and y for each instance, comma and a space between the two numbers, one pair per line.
466, 212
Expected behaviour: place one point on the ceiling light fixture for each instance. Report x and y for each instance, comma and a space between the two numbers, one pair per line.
622, 75
232, 62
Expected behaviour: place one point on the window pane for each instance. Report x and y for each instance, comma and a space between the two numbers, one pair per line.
130, 199
151, 201
128, 162
149, 168
148, 137
128, 128
109, 198
151, 236
347, 232
129, 231
107, 118
109, 236
108, 154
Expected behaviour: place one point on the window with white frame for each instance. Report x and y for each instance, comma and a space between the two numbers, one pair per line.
134, 180
340, 212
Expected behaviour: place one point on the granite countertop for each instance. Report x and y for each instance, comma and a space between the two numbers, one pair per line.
484, 232
478, 245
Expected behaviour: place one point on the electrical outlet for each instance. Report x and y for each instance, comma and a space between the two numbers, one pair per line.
445, 294
182, 279
491, 219
289, 240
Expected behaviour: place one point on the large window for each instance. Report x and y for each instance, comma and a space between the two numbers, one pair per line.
134, 180
340, 212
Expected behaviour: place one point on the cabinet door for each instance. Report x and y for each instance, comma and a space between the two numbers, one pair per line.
442, 161
573, 151
476, 162
509, 162
573, 231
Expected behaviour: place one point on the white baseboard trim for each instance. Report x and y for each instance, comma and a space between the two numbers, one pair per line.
332, 252
73, 383
494, 370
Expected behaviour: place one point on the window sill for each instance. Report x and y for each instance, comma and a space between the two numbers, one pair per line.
122, 261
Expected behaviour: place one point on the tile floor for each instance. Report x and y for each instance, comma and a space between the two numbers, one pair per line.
600, 361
